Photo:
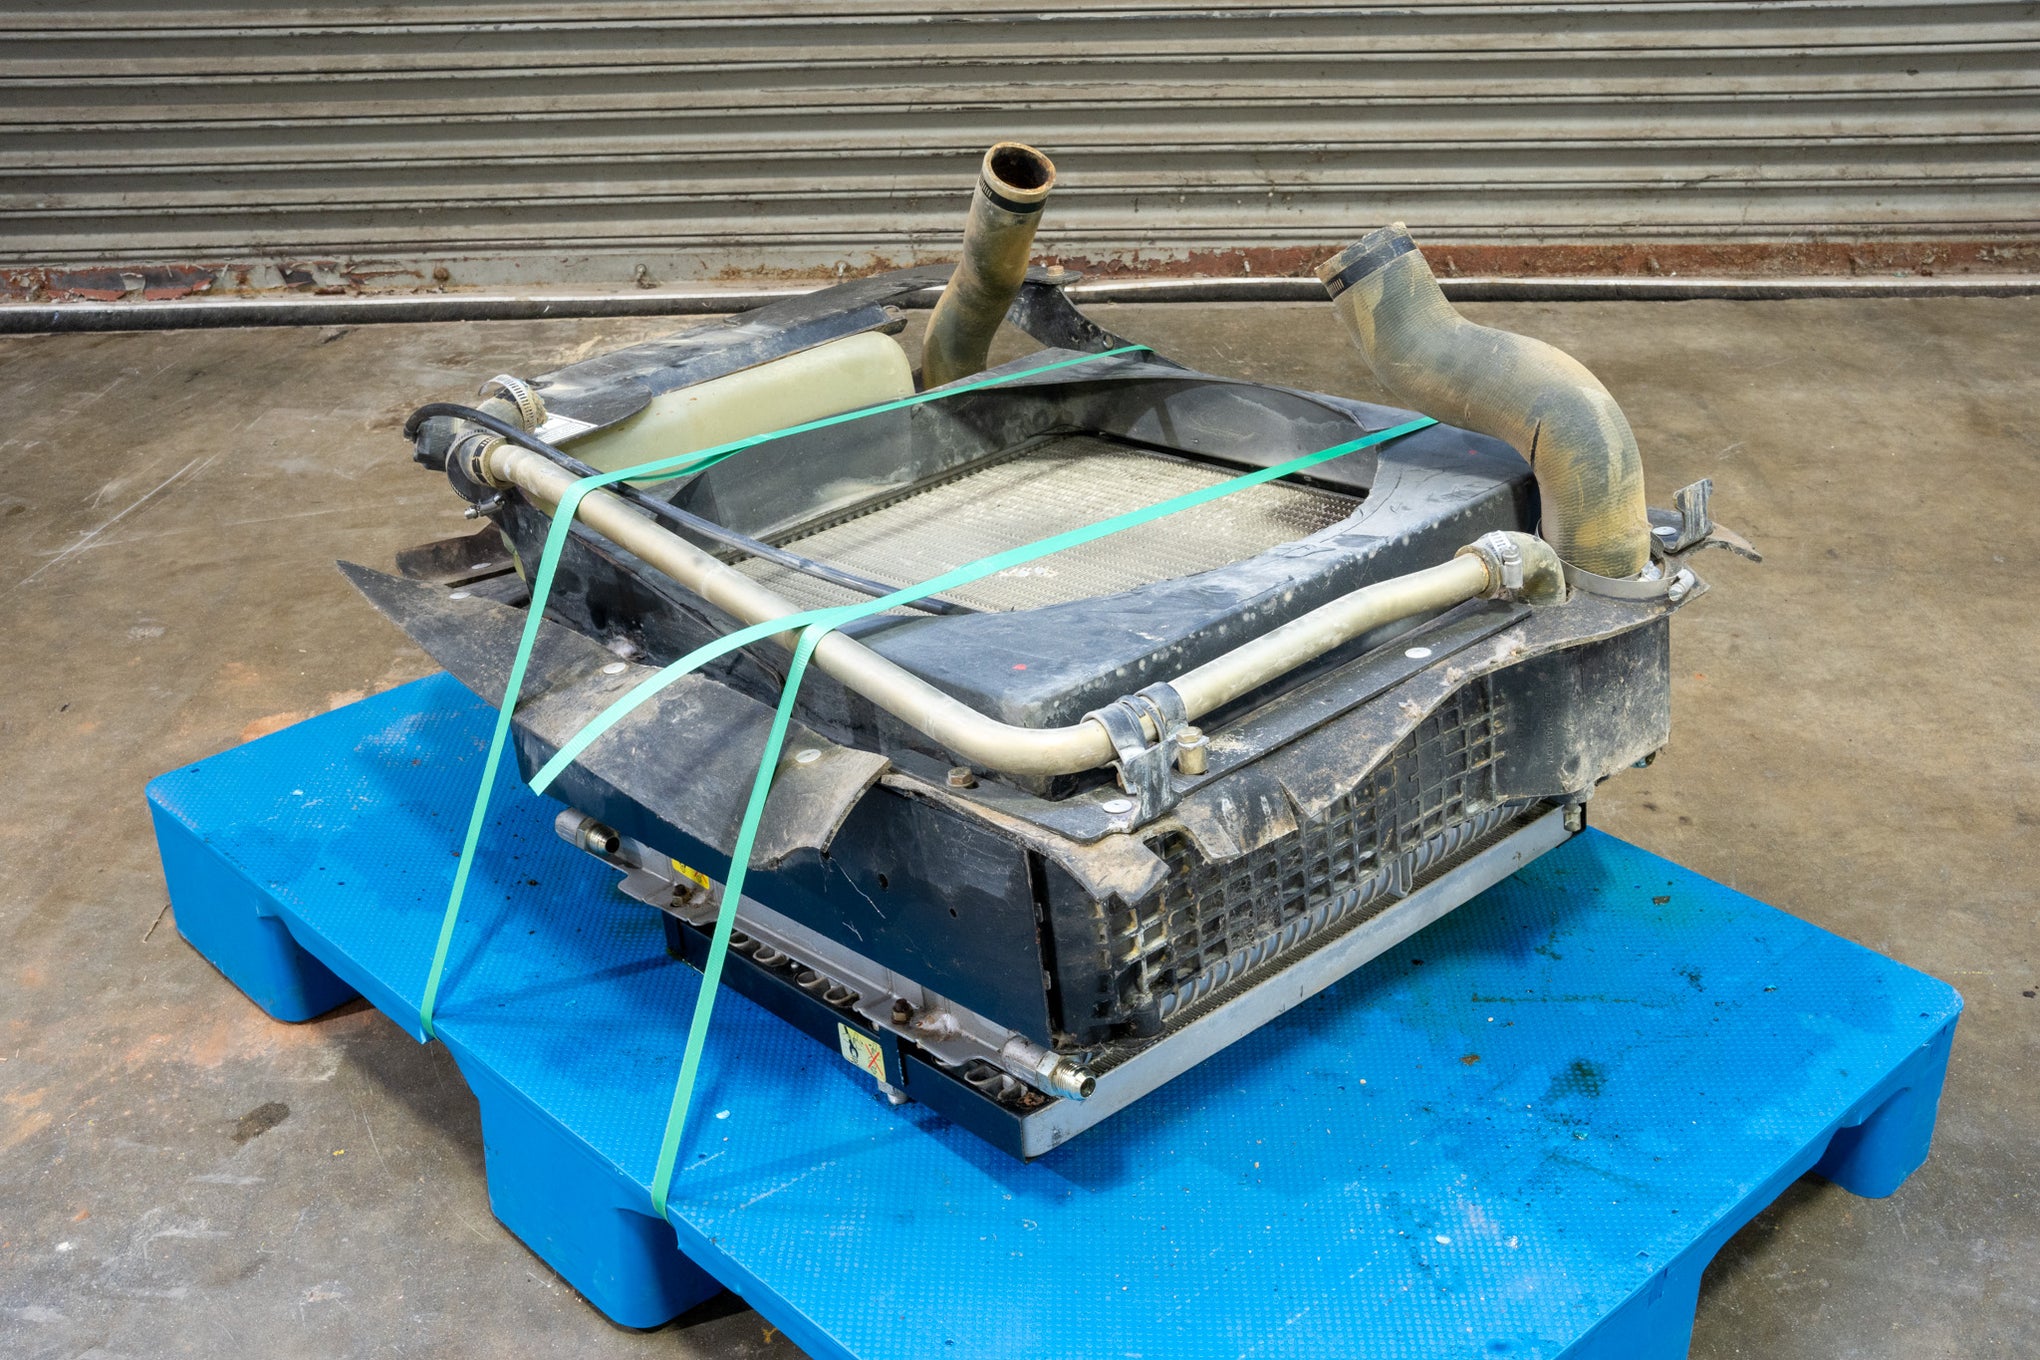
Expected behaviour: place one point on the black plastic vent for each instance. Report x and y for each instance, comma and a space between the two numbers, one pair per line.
1211, 923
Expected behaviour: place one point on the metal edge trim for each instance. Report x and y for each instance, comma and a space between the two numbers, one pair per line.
1154, 1067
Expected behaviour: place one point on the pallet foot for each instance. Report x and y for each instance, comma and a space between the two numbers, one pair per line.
1873, 1157
574, 1211
233, 923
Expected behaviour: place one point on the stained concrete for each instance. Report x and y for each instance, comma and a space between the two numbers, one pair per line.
1855, 742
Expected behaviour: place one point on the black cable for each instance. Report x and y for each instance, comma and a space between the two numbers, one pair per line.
687, 519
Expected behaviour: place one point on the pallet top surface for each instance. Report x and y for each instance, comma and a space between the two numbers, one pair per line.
1479, 1144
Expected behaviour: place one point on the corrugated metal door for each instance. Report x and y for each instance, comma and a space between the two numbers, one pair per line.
582, 142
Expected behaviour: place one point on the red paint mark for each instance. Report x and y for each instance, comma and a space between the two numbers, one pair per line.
1020, 665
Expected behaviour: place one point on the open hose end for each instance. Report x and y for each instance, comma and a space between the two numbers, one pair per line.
1364, 257
1016, 177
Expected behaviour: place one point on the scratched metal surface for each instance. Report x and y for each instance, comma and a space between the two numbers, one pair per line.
1479, 1145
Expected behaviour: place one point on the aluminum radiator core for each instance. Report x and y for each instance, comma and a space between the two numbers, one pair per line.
1063, 482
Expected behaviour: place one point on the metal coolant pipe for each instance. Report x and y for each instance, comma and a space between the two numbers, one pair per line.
997, 240
984, 741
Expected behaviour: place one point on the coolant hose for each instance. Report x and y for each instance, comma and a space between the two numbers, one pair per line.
997, 238
1535, 396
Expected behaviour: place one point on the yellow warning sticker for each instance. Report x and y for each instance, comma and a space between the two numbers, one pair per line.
862, 1050
692, 875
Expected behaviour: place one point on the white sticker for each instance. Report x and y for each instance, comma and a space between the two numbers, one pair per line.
557, 428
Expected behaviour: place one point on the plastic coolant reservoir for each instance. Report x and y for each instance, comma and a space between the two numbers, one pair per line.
858, 370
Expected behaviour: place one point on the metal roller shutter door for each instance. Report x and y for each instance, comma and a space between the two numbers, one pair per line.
577, 143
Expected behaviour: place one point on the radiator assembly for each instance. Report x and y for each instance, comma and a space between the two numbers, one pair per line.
1041, 843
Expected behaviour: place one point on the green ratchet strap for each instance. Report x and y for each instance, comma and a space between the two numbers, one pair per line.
814, 625
541, 591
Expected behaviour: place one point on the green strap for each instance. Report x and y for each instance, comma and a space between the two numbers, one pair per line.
726, 919
814, 625
663, 469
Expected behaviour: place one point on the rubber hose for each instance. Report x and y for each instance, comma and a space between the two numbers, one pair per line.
1536, 396
997, 239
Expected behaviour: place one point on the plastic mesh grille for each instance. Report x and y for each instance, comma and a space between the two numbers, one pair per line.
1064, 483
1217, 919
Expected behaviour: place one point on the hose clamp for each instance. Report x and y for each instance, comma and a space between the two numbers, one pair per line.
1654, 584
519, 393
1504, 557
467, 465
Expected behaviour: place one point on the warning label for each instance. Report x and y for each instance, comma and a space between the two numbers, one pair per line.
692, 875
862, 1050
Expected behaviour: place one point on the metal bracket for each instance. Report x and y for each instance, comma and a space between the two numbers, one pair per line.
1146, 770
1692, 525
1694, 522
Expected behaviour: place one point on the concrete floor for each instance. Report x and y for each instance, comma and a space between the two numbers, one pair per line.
1855, 742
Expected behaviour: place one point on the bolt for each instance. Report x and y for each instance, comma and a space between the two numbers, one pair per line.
962, 777
1192, 751
901, 1012
1681, 586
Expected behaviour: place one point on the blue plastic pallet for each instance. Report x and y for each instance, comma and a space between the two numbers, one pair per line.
1523, 1133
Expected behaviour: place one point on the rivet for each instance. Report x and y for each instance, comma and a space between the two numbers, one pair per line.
1666, 531
458, 595
807, 756
613, 668
1117, 806
1416, 653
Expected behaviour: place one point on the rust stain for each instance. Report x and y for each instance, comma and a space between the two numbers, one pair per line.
275, 722
26, 1119
168, 281
1730, 259
1619, 259
1813, 257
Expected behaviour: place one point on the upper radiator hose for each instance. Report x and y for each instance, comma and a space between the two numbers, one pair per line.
1537, 397
997, 238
